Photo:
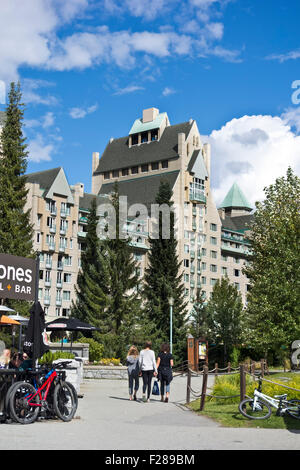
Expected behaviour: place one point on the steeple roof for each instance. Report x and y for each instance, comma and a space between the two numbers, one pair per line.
235, 198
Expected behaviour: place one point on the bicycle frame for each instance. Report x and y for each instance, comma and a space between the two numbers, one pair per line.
46, 385
272, 401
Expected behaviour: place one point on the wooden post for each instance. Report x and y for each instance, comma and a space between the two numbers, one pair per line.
188, 385
216, 368
229, 367
204, 387
242, 382
262, 366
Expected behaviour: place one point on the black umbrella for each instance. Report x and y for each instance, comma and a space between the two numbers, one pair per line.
69, 324
35, 344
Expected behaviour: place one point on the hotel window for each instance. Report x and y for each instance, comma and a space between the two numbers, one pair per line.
38, 237
67, 277
66, 295
134, 139
186, 278
203, 266
224, 271
213, 254
165, 164
115, 174
186, 263
186, 235
203, 251
125, 172
203, 280
154, 135
213, 227
236, 272
213, 240
134, 170
213, 268
237, 285
213, 282
144, 137
154, 166
224, 258
145, 168
106, 175
186, 248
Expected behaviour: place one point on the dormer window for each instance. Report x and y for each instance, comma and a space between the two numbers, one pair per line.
134, 139
144, 137
154, 135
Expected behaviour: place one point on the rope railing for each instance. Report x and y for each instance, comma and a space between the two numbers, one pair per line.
271, 382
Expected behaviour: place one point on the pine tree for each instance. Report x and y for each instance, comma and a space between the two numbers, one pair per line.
224, 315
273, 310
163, 279
93, 280
125, 301
15, 228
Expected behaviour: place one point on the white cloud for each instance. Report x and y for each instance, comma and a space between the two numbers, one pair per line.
252, 151
39, 151
79, 113
129, 89
292, 55
168, 91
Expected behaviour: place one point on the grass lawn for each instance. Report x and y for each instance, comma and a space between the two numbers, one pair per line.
228, 415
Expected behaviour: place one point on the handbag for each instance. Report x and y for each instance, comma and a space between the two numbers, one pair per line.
155, 389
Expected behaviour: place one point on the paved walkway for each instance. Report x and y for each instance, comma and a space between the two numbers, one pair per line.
106, 419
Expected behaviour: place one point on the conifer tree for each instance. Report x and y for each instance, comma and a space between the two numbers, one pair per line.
15, 228
198, 326
125, 301
163, 279
93, 281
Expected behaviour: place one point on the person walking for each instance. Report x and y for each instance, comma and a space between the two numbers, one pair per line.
148, 368
164, 366
133, 368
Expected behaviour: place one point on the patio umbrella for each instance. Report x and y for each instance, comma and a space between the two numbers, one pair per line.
69, 324
35, 344
3, 308
5, 320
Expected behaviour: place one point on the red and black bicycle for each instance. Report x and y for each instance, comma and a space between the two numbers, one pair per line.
46, 394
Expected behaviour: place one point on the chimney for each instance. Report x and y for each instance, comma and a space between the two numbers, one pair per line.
181, 143
150, 114
79, 187
206, 156
95, 161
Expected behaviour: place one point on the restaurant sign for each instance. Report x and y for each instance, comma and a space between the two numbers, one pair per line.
17, 277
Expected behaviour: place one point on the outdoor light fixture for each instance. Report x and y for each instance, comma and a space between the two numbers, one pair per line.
171, 303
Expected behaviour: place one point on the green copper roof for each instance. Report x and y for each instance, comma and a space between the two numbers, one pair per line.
235, 198
140, 126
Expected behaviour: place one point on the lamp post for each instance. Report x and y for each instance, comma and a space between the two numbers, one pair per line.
171, 303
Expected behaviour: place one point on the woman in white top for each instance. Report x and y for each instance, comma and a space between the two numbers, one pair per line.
148, 367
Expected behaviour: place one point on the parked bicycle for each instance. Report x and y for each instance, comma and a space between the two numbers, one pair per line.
260, 406
46, 394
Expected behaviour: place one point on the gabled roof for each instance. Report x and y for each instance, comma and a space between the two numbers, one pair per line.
239, 223
140, 126
44, 178
141, 190
86, 201
118, 155
235, 198
197, 166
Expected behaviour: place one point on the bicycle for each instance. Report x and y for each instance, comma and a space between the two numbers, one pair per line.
51, 396
259, 407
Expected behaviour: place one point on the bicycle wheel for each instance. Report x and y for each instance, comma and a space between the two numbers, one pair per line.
21, 410
293, 408
261, 411
64, 401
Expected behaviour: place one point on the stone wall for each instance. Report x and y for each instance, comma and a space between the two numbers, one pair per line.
105, 372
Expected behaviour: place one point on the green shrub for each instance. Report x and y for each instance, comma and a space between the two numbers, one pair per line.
49, 356
95, 349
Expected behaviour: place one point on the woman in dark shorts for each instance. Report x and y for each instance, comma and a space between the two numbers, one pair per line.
164, 366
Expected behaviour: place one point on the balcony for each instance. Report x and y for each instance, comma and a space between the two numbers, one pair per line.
51, 246
52, 229
192, 253
81, 234
63, 213
47, 300
48, 283
62, 248
197, 196
48, 264
60, 266
62, 231
59, 284
58, 302
242, 250
53, 211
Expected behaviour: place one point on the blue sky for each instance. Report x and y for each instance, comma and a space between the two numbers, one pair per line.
89, 67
